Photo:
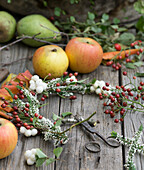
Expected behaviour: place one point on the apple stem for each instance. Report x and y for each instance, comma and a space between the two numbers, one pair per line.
54, 50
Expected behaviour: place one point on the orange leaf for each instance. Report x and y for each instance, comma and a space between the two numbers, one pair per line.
4, 115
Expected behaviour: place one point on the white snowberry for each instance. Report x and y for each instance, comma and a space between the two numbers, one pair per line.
101, 83
33, 157
44, 85
30, 162
98, 91
22, 129
34, 132
38, 82
35, 77
96, 84
39, 89
27, 133
32, 86
92, 89
34, 151
28, 154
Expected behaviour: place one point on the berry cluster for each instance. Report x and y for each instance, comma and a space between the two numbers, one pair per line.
123, 99
30, 156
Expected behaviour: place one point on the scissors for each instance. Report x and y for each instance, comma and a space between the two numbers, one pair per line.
93, 143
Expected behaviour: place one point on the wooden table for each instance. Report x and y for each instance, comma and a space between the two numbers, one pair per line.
74, 156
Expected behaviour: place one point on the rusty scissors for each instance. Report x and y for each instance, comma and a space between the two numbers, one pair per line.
93, 146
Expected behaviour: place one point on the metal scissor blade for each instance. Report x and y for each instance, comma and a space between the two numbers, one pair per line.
88, 127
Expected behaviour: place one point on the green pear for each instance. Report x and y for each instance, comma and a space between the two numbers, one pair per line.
7, 26
34, 24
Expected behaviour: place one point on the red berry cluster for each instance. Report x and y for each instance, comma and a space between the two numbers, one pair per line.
123, 99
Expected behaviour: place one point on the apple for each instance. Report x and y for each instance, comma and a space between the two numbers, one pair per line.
85, 54
50, 59
8, 137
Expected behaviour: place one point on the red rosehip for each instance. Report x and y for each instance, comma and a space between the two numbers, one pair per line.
134, 77
76, 74
15, 108
58, 90
117, 96
58, 84
132, 44
42, 99
15, 113
117, 47
10, 118
27, 105
21, 83
15, 97
26, 109
122, 112
21, 92
128, 60
73, 97
124, 73
18, 119
45, 96
100, 97
22, 96
124, 104
121, 119
104, 104
40, 117
25, 124
116, 120
123, 94
141, 50
28, 127
65, 73
3, 105
141, 83
54, 123
126, 55
70, 74
140, 87
120, 57
106, 111
36, 114
26, 115
113, 66
31, 119
138, 53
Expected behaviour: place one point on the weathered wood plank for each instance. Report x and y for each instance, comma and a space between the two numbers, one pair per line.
133, 121
74, 155
16, 159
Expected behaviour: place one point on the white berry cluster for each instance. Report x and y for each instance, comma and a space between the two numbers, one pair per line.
28, 132
71, 79
30, 156
37, 84
97, 87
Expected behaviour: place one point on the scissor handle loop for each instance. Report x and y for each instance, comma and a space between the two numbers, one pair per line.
94, 143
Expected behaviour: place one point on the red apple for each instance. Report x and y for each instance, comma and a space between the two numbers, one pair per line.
85, 54
8, 137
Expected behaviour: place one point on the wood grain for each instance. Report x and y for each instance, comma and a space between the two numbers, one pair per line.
133, 120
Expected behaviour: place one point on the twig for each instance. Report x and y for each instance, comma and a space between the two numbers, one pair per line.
6, 64
23, 37
78, 123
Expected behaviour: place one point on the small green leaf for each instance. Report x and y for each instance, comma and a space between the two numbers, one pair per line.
105, 17
122, 29
140, 24
66, 114
40, 154
55, 117
138, 63
116, 21
141, 128
130, 65
58, 151
91, 15
10, 92
93, 81
57, 11
8, 1
40, 161
113, 134
49, 161
58, 122
72, 18
139, 6
126, 38
139, 74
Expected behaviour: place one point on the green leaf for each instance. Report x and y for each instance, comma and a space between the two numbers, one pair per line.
72, 18
66, 114
113, 134
122, 29
116, 21
40, 161
105, 17
91, 15
45, 3
40, 154
139, 6
126, 38
141, 128
57, 11
55, 117
93, 81
138, 63
140, 24
139, 74
10, 92
58, 122
49, 161
130, 65
58, 151
8, 1
34, 120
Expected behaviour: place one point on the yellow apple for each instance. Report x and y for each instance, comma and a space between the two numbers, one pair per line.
50, 59
8, 137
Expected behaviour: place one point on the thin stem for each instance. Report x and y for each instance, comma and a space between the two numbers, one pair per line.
78, 123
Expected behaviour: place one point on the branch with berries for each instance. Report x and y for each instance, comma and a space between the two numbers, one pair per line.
133, 144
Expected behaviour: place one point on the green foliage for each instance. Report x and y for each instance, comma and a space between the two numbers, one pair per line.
113, 134
66, 114
126, 38
139, 6
140, 24
74, 1
139, 74
57, 151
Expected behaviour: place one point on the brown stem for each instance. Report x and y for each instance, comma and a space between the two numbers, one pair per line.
23, 37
